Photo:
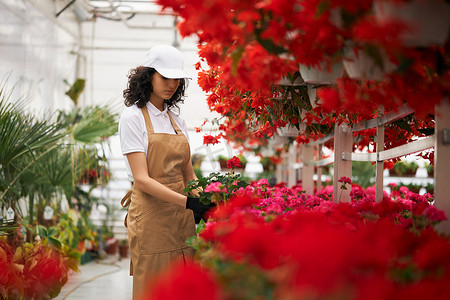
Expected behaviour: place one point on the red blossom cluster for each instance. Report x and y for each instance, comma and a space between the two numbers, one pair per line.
279, 243
234, 162
250, 45
210, 140
32, 271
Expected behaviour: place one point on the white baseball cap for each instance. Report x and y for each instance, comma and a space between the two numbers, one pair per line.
167, 61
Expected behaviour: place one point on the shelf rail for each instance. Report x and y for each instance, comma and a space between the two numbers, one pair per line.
305, 162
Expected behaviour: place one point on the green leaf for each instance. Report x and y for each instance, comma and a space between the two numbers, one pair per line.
236, 57
53, 231
55, 242
426, 131
76, 89
42, 231
270, 46
95, 123
403, 124
201, 225
322, 7
404, 64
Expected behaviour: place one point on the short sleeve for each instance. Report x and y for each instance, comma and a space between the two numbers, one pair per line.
131, 132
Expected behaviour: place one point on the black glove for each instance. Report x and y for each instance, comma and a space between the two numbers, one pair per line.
198, 208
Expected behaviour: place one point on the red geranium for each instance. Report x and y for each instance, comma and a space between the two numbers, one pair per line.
234, 162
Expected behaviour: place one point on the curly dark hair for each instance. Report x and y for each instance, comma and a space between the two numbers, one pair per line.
140, 87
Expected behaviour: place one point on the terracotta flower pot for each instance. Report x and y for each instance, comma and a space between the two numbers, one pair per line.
111, 246
123, 251
223, 164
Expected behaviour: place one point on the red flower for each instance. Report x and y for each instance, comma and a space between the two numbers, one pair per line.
233, 163
302, 139
209, 139
344, 179
184, 280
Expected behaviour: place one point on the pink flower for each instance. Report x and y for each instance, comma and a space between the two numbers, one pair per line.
263, 182
216, 187
434, 214
404, 190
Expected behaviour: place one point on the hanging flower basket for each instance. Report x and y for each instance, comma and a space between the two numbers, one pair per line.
288, 130
428, 20
359, 65
320, 74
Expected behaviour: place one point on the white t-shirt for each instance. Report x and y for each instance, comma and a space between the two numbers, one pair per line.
133, 132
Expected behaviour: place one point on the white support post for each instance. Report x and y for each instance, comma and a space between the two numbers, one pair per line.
308, 169
279, 171
292, 172
380, 164
343, 142
300, 170
319, 169
442, 163
299, 160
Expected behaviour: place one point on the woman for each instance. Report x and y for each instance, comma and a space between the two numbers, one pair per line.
157, 154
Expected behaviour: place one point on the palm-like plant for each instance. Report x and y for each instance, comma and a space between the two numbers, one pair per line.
22, 137
42, 162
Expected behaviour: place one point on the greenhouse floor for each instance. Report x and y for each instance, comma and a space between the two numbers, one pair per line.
103, 279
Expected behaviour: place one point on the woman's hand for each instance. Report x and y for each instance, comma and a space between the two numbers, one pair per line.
198, 208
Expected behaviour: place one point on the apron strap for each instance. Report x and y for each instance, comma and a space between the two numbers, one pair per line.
148, 123
174, 124
125, 202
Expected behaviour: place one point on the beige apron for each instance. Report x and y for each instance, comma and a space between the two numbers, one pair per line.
157, 229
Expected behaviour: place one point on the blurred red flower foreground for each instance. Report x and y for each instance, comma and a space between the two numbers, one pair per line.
279, 243
33, 271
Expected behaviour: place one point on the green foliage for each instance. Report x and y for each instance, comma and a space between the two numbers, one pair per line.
89, 125
413, 187
405, 168
269, 175
429, 188
234, 274
242, 158
71, 229
430, 169
222, 157
363, 173
44, 160
230, 181
76, 89
24, 141
198, 172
